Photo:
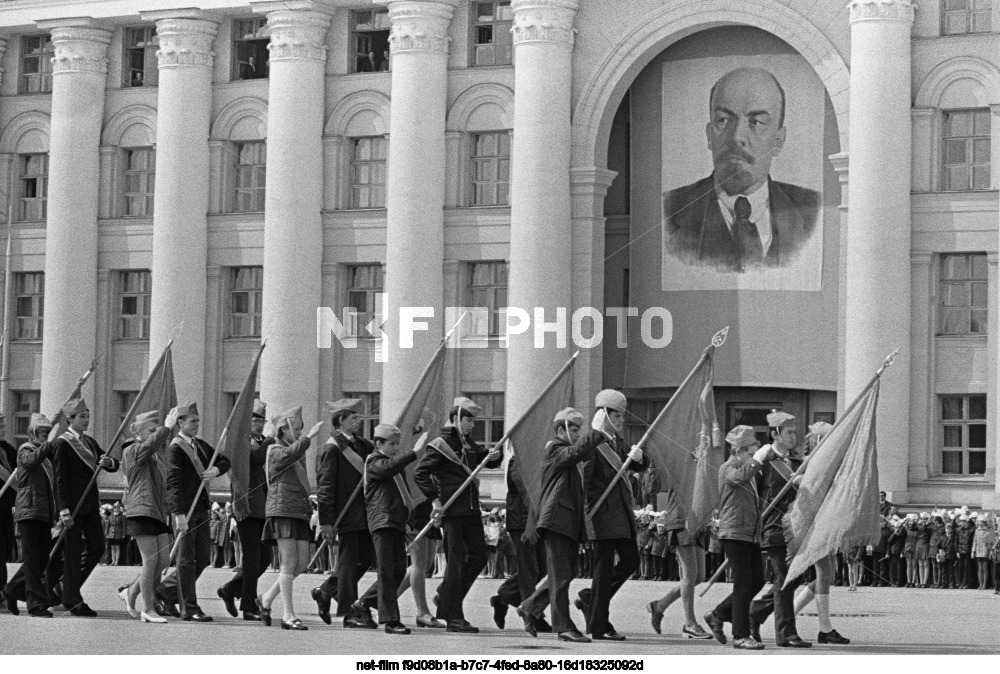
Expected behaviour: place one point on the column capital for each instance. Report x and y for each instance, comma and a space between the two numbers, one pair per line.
419, 25
80, 45
882, 10
544, 21
185, 37
298, 29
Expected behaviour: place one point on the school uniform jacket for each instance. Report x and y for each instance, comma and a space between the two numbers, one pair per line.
770, 481
385, 504
336, 479
253, 503
561, 506
35, 484
439, 477
73, 473
183, 477
616, 517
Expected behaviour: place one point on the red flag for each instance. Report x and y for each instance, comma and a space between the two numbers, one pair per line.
418, 413
235, 441
837, 502
158, 393
682, 446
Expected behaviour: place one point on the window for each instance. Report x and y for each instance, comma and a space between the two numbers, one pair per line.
247, 284
964, 291
250, 170
491, 168
368, 172
364, 284
967, 150
370, 409
139, 68
491, 39
488, 429
488, 288
639, 416
133, 304
34, 178
140, 173
36, 64
967, 16
25, 404
250, 55
231, 401
370, 38
29, 304
125, 400
963, 435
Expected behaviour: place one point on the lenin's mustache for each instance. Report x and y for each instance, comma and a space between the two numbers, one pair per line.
734, 152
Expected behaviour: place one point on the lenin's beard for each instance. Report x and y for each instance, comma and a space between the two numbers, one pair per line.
733, 171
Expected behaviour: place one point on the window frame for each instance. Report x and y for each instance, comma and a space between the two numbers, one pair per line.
495, 308
124, 401
143, 302
972, 167
40, 184
498, 187
497, 26
25, 402
146, 46
43, 55
969, 13
376, 38
254, 300
36, 296
256, 192
964, 423
145, 178
377, 191
356, 323
257, 43
489, 423
371, 404
969, 282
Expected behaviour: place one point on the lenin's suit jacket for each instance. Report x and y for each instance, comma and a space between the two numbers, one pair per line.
696, 233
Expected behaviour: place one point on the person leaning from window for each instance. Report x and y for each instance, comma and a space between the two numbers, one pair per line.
738, 520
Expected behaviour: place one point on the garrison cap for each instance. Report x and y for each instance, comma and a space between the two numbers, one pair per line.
568, 416
288, 415
468, 405
151, 417
39, 420
610, 398
259, 409
742, 436
780, 420
344, 405
74, 407
386, 432
186, 409
820, 429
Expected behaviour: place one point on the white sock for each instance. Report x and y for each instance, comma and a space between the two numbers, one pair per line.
803, 598
823, 610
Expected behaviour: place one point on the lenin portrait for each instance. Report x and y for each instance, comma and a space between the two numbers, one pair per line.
739, 218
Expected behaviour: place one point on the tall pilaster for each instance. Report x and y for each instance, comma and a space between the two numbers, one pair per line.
541, 251
293, 234
180, 204
79, 68
877, 276
415, 176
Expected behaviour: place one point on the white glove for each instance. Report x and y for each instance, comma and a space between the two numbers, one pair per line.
635, 454
760, 456
171, 419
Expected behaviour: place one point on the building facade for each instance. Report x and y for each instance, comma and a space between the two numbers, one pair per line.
214, 172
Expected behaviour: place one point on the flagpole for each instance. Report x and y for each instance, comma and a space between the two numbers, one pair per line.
8, 291
718, 339
499, 443
9, 482
802, 467
211, 462
135, 403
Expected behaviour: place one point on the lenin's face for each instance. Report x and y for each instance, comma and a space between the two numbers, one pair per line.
745, 132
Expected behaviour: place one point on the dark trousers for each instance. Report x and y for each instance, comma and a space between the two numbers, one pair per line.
609, 578
529, 566
193, 555
465, 549
560, 562
33, 583
881, 565
354, 557
961, 569
390, 568
748, 578
7, 541
895, 562
256, 558
83, 548
780, 601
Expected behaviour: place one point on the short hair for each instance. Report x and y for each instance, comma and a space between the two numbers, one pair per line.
338, 417
456, 411
781, 92
562, 424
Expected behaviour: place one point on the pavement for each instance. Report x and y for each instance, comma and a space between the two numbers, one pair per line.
877, 620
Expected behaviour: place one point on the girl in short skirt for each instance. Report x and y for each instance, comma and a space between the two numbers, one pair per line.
288, 512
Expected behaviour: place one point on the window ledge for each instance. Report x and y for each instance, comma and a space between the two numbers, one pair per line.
130, 340
374, 209
976, 336
25, 341
242, 338
955, 481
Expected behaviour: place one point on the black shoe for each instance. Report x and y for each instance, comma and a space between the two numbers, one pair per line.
10, 603
165, 609
229, 600
529, 621
293, 625
716, 627
461, 625
40, 613
81, 610
364, 615
655, 616
795, 642
262, 611
396, 627
198, 617
542, 626
574, 636
250, 616
610, 635
755, 631
832, 637
322, 605
499, 611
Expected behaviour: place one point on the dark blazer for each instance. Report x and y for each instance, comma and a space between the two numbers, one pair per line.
8, 459
183, 478
517, 501
769, 483
73, 475
384, 504
438, 477
336, 480
696, 233
256, 497
35, 491
561, 506
616, 517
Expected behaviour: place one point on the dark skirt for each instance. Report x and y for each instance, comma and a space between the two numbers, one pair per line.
146, 526
285, 527
419, 518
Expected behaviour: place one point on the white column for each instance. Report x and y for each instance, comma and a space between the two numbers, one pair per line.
540, 234
293, 231
878, 238
79, 69
180, 204
415, 177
